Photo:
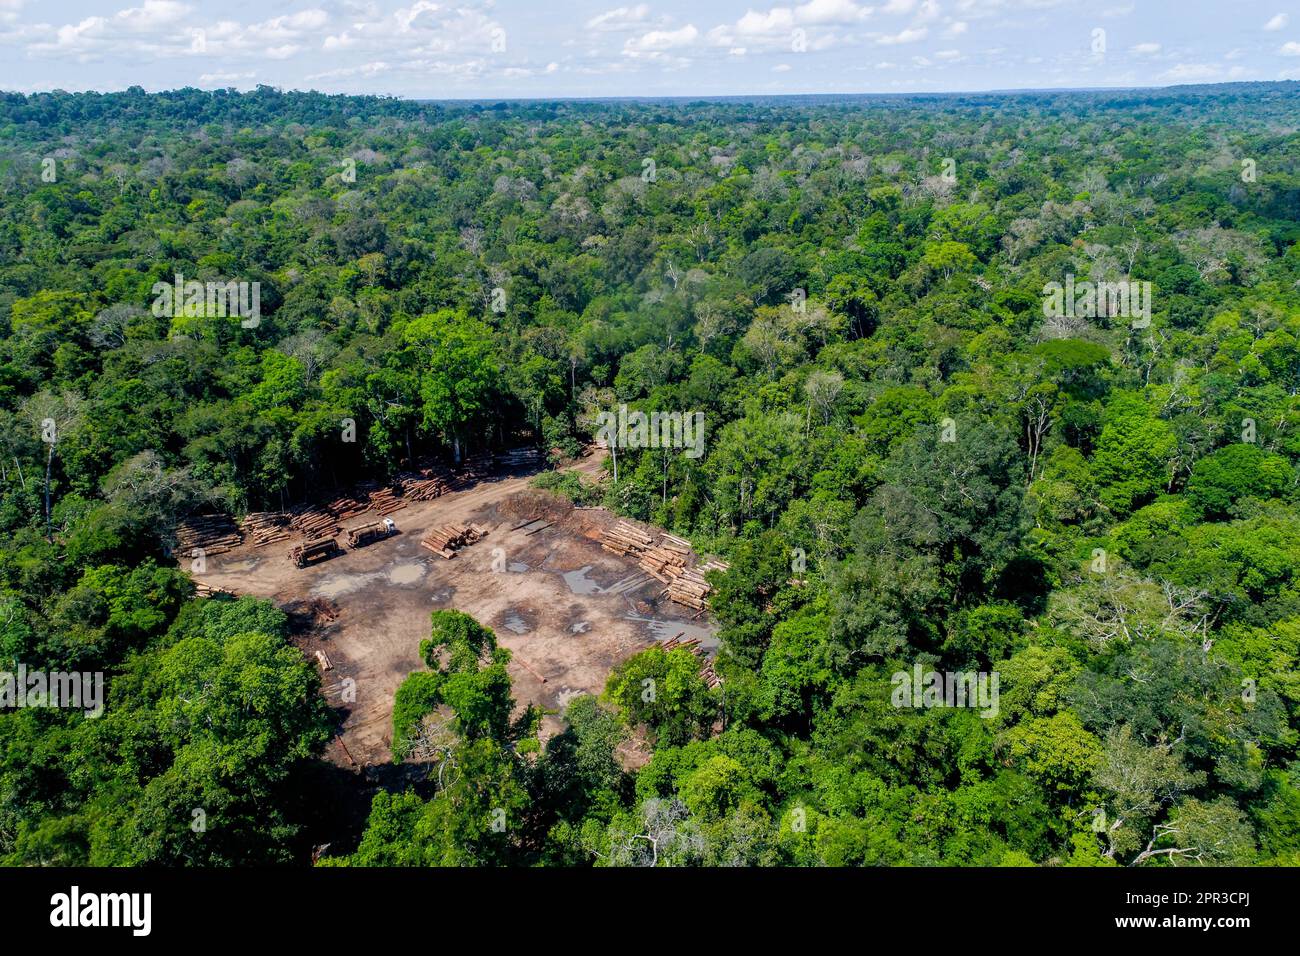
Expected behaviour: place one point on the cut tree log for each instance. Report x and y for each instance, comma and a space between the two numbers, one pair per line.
210, 534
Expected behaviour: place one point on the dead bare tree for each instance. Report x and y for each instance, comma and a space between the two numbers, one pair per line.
54, 417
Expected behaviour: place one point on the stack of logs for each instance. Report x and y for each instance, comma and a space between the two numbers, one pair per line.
211, 534
266, 527
349, 506
690, 588
525, 457
314, 522
385, 501
668, 562
207, 590
625, 539
445, 541
707, 673
473, 469
424, 484
214, 534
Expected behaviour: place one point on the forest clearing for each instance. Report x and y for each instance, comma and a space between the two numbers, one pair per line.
567, 609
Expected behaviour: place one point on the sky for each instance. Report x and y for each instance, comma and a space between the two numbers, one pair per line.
582, 48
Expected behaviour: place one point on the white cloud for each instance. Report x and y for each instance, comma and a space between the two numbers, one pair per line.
161, 29
1290, 49
620, 18
776, 20
1194, 71
831, 11
928, 13
373, 68
460, 70
420, 29
522, 71
780, 21
294, 24
1277, 23
659, 41
151, 15
224, 79
909, 35
1145, 49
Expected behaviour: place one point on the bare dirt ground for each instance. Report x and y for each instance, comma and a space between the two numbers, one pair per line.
568, 610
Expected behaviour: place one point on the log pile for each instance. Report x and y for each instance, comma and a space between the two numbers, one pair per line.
675, 544
424, 484
448, 539
207, 590
690, 588
266, 527
663, 564
707, 673
211, 534
669, 561
348, 507
314, 522
473, 469
525, 457
625, 539
386, 501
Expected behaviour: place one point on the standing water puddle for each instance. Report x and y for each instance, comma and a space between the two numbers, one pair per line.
406, 573
663, 630
579, 583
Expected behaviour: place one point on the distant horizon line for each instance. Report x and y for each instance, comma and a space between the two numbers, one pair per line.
690, 97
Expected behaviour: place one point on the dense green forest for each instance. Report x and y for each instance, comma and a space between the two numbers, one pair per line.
910, 460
